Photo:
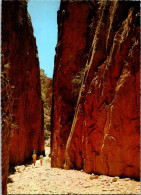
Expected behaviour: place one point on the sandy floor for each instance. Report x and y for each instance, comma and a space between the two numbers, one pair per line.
46, 180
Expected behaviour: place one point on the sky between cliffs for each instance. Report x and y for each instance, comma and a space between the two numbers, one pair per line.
44, 20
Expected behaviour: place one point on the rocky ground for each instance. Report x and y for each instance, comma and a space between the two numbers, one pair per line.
29, 179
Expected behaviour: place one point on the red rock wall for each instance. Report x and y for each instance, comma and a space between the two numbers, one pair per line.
71, 55
6, 118
20, 52
105, 132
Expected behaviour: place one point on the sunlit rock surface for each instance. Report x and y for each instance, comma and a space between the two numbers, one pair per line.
100, 131
71, 54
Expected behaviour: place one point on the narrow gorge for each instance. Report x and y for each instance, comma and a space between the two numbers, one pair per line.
94, 95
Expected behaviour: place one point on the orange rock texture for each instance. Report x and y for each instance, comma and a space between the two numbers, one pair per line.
19, 52
104, 132
71, 54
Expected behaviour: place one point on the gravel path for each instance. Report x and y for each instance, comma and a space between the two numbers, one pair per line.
46, 180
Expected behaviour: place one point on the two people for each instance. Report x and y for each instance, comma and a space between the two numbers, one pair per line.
34, 157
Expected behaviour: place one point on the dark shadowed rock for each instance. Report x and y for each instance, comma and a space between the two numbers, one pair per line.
19, 54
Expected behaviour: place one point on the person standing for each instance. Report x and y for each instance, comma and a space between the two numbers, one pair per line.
34, 157
41, 158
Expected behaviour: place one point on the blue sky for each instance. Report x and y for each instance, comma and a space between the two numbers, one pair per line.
44, 20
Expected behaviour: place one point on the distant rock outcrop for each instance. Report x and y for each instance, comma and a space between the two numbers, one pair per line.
46, 91
99, 129
19, 53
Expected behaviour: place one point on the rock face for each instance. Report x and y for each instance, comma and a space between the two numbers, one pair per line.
103, 135
6, 117
48, 106
46, 91
19, 52
71, 55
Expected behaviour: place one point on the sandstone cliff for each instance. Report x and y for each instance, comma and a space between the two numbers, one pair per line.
71, 54
19, 52
46, 91
103, 135
6, 117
